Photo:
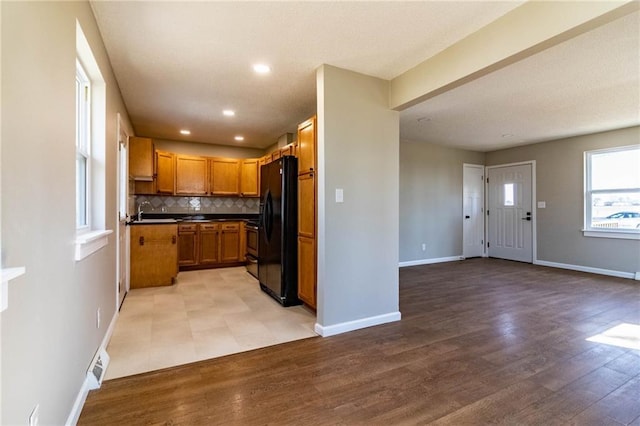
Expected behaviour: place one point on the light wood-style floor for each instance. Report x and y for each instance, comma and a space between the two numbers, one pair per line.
205, 314
481, 341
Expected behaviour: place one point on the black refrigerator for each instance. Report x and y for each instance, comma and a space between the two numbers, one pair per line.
278, 230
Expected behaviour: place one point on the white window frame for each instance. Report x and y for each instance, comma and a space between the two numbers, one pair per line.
588, 230
83, 147
90, 144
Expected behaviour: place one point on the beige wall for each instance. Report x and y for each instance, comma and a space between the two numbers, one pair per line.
208, 150
560, 183
49, 333
431, 199
357, 239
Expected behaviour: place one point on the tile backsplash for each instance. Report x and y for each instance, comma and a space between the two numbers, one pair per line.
196, 205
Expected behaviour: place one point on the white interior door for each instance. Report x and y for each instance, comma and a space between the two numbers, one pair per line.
473, 210
123, 182
510, 214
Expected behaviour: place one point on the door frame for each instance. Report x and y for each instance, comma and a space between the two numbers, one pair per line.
121, 184
482, 208
534, 206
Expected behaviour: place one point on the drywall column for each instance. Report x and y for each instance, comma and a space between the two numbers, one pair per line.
358, 152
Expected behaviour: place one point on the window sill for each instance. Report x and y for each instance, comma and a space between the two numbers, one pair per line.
7, 275
91, 242
624, 235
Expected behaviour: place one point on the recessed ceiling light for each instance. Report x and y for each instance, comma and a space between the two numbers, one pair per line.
185, 132
262, 68
228, 113
239, 138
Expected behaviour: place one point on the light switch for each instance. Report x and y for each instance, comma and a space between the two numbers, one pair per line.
339, 195
542, 204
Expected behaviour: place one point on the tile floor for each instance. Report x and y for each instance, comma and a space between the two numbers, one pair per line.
206, 314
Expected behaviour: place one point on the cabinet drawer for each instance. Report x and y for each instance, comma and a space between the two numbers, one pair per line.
209, 226
187, 227
231, 227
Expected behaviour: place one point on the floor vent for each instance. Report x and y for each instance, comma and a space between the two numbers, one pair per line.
97, 369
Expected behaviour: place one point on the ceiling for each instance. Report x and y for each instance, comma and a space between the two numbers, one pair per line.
179, 64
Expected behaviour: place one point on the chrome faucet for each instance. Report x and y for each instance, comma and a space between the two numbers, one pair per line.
144, 203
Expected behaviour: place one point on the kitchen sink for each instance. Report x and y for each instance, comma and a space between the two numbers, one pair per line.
155, 221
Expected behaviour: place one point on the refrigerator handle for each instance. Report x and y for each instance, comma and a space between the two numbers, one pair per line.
268, 215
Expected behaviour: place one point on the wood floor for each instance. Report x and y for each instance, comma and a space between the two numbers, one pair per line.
480, 341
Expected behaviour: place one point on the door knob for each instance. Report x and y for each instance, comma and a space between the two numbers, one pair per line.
527, 218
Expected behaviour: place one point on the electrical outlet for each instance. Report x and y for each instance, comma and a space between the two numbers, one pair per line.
34, 417
424, 247
98, 318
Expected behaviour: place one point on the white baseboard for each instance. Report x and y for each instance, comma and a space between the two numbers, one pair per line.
430, 261
589, 269
344, 327
74, 415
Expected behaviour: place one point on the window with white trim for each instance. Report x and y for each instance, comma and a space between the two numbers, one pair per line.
612, 192
83, 148
91, 102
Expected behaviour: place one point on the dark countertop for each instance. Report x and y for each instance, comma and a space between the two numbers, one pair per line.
183, 217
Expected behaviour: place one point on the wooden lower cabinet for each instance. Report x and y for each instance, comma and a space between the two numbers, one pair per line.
230, 243
307, 271
187, 244
209, 245
154, 255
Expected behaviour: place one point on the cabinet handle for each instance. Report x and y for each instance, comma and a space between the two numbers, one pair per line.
141, 241
173, 239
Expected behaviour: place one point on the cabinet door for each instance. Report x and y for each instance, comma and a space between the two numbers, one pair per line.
307, 205
188, 246
230, 243
209, 244
154, 255
307, 271
141, 159
249, 178
306, 151
225, 176
165, 172
191, 175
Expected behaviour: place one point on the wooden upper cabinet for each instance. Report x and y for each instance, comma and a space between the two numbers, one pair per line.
165, 172
306, 151
307, 206
287, 150
249, 178
141, 159
275, 155
191, 175
225, 176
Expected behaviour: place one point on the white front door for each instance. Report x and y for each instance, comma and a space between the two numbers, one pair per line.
510, 214
472, 210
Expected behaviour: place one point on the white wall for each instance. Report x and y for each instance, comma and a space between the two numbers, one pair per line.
560, 183
49, 333
358, 144
431, 199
